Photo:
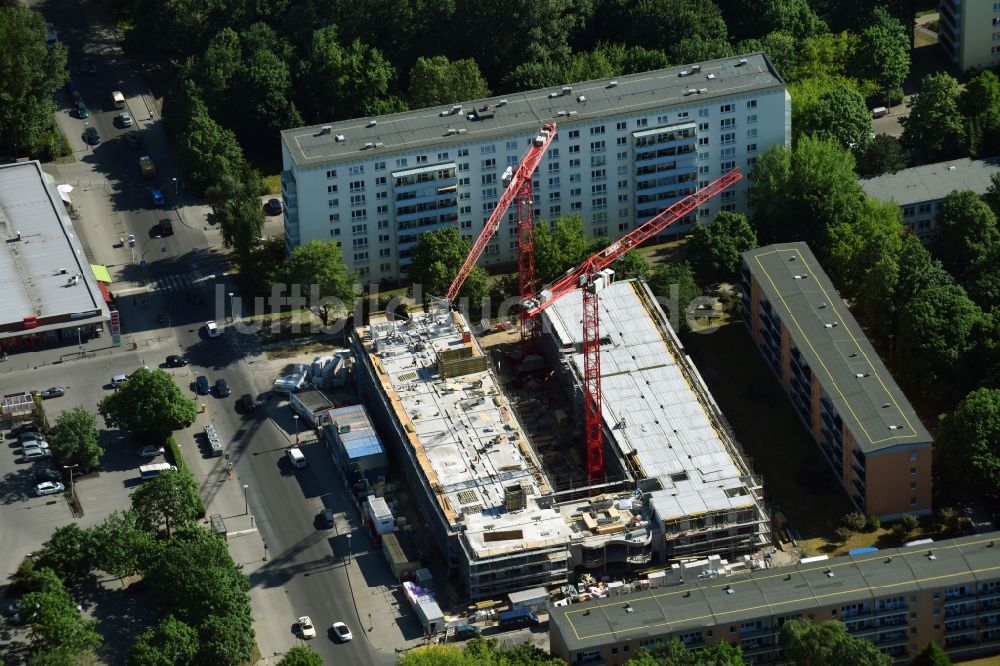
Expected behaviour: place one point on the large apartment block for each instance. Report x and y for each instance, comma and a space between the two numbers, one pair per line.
626, 148
969, 32
863, 424
900, 599
920, 190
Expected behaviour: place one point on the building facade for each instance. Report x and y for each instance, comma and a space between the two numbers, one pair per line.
625, 149
864, 426
969, 33
900, 599
920, 190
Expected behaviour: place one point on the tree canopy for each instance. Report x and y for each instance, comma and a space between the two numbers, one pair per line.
150, 402
301, 656
967, 446
478, 652
170, 643
169, 499
437, 80
934, 129
714, 249
74, 440
318, 269
966, 238
840, 114
884, 56
828, 644
437, 258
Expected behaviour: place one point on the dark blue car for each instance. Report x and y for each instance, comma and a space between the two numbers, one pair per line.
201, 382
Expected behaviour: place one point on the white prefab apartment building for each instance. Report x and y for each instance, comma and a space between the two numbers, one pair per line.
626, 148
969, 32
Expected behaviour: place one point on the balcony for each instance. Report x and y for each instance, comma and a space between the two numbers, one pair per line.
957, 610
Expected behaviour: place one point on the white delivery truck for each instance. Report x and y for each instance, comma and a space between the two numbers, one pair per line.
154, 470
118, 99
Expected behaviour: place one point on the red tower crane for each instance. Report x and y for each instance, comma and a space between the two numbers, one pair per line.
517, 184
587, 277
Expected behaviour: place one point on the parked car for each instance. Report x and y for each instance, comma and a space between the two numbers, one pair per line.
212, 329
36, 454
82, 111
326, 518
156, 196
118, 381
202, 385
222, 388
43, 475
49, 488
28, 434
34, 443
247, 402
175, 361
464, 632
341, 631
125, 119
53, 392
306, 627
274, 206
151, 451
27, 426
92, 136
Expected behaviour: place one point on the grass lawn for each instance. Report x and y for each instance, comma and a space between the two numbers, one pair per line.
273, 183
796, 479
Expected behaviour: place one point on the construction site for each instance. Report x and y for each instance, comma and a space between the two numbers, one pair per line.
605, 456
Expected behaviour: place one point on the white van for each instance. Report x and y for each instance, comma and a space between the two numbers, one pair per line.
879, 112
295, 457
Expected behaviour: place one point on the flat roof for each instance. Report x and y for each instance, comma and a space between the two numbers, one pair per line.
650, 407
696, 604
31, 277
833, 345
931, 182
464, 435
360, 438
525, 112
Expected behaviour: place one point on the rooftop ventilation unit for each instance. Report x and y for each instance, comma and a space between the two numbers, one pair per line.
339, 138
452, 130
581, 98
573, 113
691, 91
372, 123
566, 90
502, 102
553, 95
325, 129
379, 144
710, 77
702, 91
613, 83
741, 62
369, 145
684, 72
462, 131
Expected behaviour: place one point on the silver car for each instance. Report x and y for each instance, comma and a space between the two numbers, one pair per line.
49, 488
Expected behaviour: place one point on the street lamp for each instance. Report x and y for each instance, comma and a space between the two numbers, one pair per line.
79, 340
265, 550
70, 469
246, 500
232, 308
348, 548
175, 185
295, 417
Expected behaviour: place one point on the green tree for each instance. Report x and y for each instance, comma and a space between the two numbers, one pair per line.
967, 446
854, 521
842, 115
560, 247
149, 403
301, 656
883, 154
932, 655
992, 196
747, 19
675, 289
842, 533
31, 75
434, 655
74, 440
966, 237
261, 89
56, 626
854, 249
934, 129
884, 56
226, 639
905, 527
70, 553
672, 26
171, 643
238, 212
437, 80
825, 56
169, 499
123, 545
437, 258
714, 249
828, 644
318, 267
800, 194
981, 94
631, 265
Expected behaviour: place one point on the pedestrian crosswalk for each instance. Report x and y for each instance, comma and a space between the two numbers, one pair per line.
179, 282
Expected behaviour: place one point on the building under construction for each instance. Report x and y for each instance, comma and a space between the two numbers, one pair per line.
676, 485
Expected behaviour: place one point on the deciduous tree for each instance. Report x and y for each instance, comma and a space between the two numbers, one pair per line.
966, 237
74, 440
171, 643
56, 626
827, 644
437, 258
842, 115
967, 446
150, 403
70, 553
675, 289
321, 263
714, 249
437, 80
301, 656
747, 19
123, 545
932, 655
169, 499
884, 56
934, 130
883, 154
560, 247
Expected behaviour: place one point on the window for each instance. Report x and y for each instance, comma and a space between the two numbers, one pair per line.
380, 180
555, 196
331, 188
728, 208
553, 153
728, 152
994, 50
752, 119
332, 173
359, 215
421, 159
726, 123
574, 163
622, 169
400, 162
751, 147
600, 188
574, 149
574, 178
703, 212
465, 210
599, 129
622, 184
621, 141
623, 212
464, 166
383, 224
597, 160
335, 232
487, 149
383, 209
555, 210
702, 127
360, 256
751, 104
599, 204
333, 203
727, 166
357, 170
621, 125
357, 185
574, 134
511, 145
575, 192
728, 138
703, 113
463, 181
489, 192
752, 133
702, 140
751, 162
913, 471
383, 238
703, 156
726, 108
335, 217
357, 200
622, 155
442, 156
597, 174
641, 122
489, 178
360, 243
463, 152
489, 163
555, 182
682, 115
553, 167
